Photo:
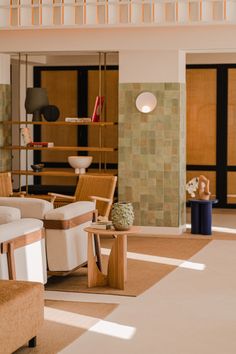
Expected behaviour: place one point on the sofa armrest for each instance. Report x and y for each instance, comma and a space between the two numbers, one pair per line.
29, 207
22, 250
70, 211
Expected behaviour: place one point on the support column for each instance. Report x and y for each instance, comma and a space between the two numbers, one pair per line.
152, 146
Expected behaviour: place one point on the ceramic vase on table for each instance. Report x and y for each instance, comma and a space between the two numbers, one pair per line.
122, 215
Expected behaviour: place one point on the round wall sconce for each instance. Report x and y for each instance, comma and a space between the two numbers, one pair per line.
146, 102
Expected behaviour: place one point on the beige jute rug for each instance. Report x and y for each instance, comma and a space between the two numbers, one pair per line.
143, 271
64, 322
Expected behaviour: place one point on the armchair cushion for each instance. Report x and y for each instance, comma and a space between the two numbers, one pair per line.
67, 241
29, 207
9, 214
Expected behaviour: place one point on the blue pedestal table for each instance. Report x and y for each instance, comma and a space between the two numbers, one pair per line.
201, 216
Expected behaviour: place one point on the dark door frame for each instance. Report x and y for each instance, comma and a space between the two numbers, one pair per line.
221, 168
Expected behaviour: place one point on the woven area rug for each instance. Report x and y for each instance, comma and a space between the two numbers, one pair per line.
149, 260
64, 322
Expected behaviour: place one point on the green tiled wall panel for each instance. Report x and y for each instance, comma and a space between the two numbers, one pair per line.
152, 154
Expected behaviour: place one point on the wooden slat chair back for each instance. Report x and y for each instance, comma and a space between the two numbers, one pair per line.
98, 186
101, 189
6, 189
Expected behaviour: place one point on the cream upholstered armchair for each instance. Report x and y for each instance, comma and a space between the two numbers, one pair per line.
66, 240
6, 189
22, 247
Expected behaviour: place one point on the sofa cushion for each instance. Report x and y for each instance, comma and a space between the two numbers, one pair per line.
9, 214
29, 207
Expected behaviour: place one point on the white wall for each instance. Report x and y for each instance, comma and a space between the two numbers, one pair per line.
211, 58
151, 66
5, 69
82, 59
188, 38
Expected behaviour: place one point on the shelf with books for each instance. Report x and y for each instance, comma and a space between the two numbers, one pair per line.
59, 123
25, 150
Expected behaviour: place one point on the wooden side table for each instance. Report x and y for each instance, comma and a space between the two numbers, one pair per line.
117, 262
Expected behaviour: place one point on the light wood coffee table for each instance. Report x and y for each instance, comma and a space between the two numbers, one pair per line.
117, 262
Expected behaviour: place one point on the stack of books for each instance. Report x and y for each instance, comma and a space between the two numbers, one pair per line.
74, 119
39, 144
103, 225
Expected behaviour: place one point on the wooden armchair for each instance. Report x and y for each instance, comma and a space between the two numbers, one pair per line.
6, 189
93, 187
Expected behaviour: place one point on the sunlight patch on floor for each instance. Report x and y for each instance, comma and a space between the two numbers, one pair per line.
163, 260
89, 323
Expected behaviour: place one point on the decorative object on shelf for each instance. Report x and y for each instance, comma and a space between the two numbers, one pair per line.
201, 185
40, 144
104, 225
146, 102
50, 113
75, 119
38, 167
98, 108
204, 188
192, 186
36, 99
80, 163
25, 132
122, 215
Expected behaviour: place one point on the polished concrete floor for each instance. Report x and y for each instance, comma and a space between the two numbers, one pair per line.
190, 311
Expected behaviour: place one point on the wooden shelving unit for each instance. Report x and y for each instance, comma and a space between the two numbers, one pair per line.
60, 172
59, 123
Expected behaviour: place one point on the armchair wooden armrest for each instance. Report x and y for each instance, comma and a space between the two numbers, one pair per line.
68, 197
94, 197
18, 194
102, 199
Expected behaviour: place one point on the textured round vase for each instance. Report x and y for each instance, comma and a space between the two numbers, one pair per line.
122, 216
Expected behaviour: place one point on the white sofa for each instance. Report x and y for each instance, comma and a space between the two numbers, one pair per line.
22, 252
66, 240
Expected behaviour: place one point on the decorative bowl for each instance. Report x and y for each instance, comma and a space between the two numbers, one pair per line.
80, 163
38, 167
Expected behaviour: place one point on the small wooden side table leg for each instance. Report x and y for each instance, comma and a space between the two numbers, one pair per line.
117, 264
95, 276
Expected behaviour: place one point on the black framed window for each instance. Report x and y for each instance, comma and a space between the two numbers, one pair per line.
212, 89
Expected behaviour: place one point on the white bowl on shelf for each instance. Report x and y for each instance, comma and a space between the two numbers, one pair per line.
80, 163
